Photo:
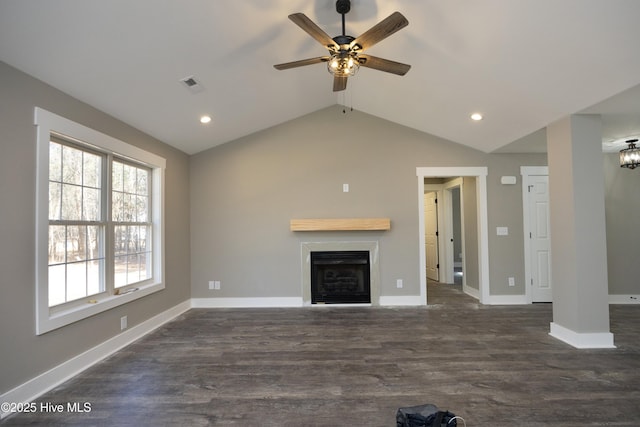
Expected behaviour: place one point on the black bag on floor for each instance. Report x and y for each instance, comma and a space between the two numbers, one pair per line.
424, 416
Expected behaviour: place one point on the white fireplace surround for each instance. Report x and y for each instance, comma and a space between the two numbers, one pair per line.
374, 265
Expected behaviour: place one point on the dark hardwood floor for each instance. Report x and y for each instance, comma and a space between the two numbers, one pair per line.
355, 366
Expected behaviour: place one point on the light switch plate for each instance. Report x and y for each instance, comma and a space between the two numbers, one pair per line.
508, 180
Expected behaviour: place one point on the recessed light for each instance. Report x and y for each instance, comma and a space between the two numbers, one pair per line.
205, 119
476, 117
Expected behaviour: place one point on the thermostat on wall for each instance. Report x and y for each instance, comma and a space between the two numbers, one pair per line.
508, 180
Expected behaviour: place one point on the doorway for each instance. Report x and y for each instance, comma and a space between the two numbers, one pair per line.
444, 228
478, 254
444, 246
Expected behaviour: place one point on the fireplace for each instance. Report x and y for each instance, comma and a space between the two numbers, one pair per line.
340, 277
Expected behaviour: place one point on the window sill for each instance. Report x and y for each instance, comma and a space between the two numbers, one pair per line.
65, 317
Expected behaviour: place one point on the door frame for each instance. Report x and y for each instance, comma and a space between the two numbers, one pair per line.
480, 173
526, 172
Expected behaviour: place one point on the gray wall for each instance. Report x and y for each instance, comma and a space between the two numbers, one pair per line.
23, 355
471, 236
245, 193
622, 209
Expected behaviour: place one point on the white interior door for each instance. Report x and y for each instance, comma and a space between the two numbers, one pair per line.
431, 235
539, 238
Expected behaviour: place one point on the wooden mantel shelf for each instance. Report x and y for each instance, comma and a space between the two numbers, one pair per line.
341, 224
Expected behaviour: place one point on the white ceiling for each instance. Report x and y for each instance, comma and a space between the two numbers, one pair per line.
522, 63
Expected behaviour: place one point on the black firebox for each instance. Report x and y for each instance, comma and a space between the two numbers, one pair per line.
340, 277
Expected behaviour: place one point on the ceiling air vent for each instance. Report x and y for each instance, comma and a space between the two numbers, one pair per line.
192, 84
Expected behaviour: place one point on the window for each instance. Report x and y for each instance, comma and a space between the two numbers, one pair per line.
76, 223
132, 229
99, 222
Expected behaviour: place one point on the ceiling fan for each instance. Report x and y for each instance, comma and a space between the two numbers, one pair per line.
345, 52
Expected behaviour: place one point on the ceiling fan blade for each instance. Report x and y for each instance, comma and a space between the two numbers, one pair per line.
339, 83
301, 63
383, 29
302, 21
383, 64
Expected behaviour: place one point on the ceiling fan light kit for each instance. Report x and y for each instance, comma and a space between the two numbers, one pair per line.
343, 64
345, 52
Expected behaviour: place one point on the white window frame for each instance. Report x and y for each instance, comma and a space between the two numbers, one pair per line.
47, 123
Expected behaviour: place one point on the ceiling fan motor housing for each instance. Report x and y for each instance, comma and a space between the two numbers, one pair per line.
343, 40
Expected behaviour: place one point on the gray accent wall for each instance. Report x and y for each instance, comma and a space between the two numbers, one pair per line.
622, 210
243, 195
23, 354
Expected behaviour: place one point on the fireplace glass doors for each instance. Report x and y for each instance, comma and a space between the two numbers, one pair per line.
340, 277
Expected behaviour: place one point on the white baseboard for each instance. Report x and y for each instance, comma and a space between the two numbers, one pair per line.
522, 299
624, 299
472, 292
246, 302
44, 382
405, 300
506, 300
283, 302
582, 339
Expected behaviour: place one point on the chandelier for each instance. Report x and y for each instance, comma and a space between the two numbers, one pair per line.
630, 157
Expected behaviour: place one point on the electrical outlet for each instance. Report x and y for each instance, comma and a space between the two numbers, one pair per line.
502, 231
512, 281
399, 283
212, 284
217, 285
123, 323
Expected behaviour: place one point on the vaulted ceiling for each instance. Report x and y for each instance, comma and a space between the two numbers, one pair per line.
521, 63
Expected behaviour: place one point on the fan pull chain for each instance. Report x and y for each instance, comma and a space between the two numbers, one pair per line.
344, 101
344, 110
351, 96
